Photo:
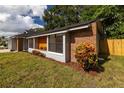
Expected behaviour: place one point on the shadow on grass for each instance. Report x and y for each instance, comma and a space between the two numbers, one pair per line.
102, 60
103, 54
99, 67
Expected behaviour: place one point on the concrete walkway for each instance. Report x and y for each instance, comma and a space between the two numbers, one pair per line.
4, 50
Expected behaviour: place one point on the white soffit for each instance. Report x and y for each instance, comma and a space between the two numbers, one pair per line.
64, 31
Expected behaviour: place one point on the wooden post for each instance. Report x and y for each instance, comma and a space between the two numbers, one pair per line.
34, 43
17, 44
47, 46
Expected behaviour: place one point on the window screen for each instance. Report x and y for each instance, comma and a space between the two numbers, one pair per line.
56, 43
30, 43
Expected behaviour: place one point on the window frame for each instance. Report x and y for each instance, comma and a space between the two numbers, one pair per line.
55, 43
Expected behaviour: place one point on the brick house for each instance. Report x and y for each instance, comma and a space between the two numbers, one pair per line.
59, 44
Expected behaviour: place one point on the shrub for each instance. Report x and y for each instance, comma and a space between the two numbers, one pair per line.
85, 55
36, 52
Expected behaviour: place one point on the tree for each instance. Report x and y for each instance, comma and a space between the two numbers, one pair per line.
60, 16
113, 23
33, 30
87, 12
3, 41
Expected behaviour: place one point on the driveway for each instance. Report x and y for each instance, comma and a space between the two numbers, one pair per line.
4, 50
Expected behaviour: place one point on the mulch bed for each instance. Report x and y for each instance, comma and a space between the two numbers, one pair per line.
78, 67
75, 66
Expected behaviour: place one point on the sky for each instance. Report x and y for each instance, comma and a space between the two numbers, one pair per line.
17, 19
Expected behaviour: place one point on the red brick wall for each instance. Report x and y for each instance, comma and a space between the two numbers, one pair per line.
83, 35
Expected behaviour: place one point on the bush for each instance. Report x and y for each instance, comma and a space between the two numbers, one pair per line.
36, 52
85, 55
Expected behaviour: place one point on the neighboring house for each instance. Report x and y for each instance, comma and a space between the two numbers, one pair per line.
59, 44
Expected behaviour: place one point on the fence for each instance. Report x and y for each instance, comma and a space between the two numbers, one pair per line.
112, 47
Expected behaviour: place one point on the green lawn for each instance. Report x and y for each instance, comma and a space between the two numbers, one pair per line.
26, 70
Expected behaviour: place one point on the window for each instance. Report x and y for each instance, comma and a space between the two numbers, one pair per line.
30, 43
56, 43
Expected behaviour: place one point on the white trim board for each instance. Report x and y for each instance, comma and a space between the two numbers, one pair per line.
64, 31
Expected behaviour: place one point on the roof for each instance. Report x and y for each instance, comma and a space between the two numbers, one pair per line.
18, 36
34, 33
25, 34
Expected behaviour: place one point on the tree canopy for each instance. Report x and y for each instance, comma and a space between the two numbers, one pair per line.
113, 22
3, 41
60, 16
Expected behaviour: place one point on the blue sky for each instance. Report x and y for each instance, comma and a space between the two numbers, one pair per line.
37, 18
17, 19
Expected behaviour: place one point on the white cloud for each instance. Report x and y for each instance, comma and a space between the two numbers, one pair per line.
8, 33
3, 17
16, 19
37, 10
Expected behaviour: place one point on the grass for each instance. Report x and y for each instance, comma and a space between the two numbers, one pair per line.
25, 70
